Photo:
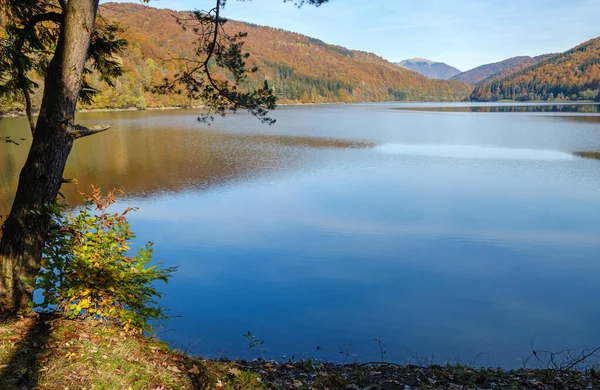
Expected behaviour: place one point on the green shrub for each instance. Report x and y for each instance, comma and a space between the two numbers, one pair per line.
86, 270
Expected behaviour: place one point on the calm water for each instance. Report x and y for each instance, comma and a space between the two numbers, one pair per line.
445, 233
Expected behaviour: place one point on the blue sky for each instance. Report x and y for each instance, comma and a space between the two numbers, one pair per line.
462, 33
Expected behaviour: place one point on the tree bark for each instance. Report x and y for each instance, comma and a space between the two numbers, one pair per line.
26, 227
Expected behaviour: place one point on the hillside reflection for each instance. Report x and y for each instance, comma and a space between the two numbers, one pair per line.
144, 160
590, 155
558, 108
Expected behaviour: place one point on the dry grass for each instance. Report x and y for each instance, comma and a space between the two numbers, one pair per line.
55, 353
46, 352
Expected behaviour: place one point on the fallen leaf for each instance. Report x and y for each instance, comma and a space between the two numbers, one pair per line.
194, 370
70, 335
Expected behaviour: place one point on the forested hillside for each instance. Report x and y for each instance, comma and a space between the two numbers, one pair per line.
499, 70
301, 69
519, 67
572, 75
483, 72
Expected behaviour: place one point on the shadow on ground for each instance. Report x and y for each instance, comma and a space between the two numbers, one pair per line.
21, 370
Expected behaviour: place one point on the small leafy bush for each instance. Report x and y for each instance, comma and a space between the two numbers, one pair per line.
86, 270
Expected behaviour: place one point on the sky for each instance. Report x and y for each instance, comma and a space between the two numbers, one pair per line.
461, 33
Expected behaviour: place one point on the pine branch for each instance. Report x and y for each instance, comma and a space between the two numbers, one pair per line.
23, 82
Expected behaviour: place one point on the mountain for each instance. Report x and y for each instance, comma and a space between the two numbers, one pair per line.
572, 75
483, 72
431, 69
526, 63
499, 70
299, 68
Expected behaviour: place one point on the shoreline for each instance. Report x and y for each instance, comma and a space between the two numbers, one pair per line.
18, 114
46, 351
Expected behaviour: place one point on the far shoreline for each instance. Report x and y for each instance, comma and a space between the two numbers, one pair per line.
17, 114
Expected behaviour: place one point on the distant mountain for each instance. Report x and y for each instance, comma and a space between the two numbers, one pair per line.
572, 75
430, 69
526, 63
499, 70
483, 72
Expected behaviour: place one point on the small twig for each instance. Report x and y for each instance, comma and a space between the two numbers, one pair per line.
585, 354
475, 360
380, 364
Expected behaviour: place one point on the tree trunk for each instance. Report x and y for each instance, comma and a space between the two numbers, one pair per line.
26, 227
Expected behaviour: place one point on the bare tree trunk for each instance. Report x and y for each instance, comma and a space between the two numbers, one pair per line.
39, 182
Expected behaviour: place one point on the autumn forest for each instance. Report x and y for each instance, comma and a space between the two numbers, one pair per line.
307, 70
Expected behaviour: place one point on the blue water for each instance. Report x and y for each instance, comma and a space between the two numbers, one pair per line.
445, 234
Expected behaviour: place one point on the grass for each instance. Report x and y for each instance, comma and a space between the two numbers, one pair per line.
54, 353
48, 352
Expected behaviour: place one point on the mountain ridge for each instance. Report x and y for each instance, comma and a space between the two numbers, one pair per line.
479, 74
431, 69
572, 75
299, 68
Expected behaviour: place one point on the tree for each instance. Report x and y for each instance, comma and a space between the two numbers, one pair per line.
56, 39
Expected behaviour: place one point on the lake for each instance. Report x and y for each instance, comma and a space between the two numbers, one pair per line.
449, 233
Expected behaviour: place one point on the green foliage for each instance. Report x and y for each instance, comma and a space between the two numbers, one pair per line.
397, 94
27, 43
338, 49
255, 342
102, 58
293, 86
86, 270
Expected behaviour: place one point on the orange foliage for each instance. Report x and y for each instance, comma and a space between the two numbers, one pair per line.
573, 75
319, 72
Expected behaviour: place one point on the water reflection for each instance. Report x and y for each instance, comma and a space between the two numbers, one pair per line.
446, 256
444, 234
586, 108
141, 161
592, 155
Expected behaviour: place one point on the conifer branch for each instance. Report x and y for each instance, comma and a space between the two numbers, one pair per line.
24, 33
